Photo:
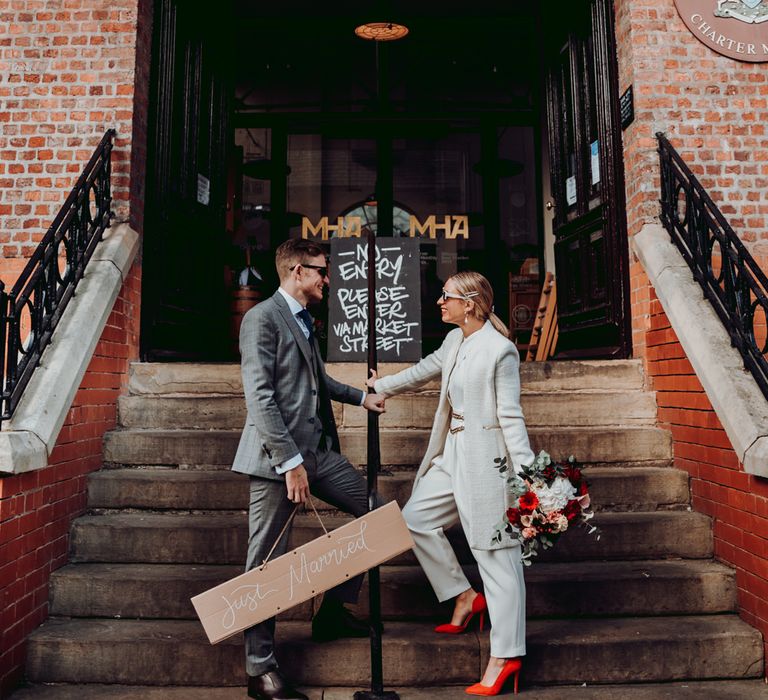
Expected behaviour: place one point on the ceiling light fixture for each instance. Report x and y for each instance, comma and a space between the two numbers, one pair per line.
381, 31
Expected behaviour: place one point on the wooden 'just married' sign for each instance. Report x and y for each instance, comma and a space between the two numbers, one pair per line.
302, 573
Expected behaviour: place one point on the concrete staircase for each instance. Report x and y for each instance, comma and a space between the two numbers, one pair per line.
644, 604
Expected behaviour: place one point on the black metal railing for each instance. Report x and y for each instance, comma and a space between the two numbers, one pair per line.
731, 278
30, 312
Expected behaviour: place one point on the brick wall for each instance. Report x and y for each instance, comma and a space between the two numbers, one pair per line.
67, 73
36, 509
737, 502
715, 111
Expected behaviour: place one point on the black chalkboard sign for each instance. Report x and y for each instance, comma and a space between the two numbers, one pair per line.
627, 108
398, 300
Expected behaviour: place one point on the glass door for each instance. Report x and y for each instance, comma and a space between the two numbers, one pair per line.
467, 194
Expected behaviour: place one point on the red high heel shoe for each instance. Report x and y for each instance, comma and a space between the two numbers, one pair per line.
478, 606
510, 667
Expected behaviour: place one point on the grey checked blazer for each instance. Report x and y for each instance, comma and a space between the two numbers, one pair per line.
283, 393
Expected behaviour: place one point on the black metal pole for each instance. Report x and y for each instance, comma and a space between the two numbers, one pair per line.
377, 691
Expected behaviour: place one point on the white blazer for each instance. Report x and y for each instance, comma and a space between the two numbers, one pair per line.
493, 423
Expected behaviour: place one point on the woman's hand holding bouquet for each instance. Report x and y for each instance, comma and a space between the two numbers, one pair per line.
547, 499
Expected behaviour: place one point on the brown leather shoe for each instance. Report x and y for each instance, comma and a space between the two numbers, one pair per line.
272, 686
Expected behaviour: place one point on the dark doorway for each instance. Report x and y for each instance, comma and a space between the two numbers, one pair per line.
183, 291
587, 175
442, 126
292, 120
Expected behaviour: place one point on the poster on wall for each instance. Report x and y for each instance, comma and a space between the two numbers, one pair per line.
735, 28
570, 190
398, 300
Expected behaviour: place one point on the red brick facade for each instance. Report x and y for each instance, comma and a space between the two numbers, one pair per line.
67, 73
37, 508
736, 501
713, 109
715, 112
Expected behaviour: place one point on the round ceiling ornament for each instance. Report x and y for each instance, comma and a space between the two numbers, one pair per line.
381, 31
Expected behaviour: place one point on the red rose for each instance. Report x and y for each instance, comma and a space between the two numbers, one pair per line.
513, 515
528, 502
572, 473
582, 490
572, 510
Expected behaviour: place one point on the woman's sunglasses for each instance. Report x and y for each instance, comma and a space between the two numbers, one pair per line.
464, 297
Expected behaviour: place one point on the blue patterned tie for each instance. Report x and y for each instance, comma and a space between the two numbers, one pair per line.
306, 319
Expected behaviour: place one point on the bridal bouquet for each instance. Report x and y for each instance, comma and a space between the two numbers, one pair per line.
547, 499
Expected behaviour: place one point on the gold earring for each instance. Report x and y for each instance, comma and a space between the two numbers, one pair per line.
466, 317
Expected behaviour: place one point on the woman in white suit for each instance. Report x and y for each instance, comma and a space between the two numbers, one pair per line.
478, 420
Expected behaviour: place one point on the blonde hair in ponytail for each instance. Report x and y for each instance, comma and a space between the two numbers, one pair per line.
470, 281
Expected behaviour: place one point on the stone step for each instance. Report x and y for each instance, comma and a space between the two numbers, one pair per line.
565, 408
198, 378
679, 587
212, 412
685, 690
173, 652
386, 468
221, 538
611, 488
398, 447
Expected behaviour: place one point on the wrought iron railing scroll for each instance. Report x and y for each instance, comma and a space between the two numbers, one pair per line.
728, 274
30, 312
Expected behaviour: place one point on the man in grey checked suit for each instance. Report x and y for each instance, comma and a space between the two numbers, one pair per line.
290, 447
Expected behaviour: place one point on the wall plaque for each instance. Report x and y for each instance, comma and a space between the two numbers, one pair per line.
627, 107
735, 28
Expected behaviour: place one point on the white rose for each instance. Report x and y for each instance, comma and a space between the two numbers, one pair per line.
556, 496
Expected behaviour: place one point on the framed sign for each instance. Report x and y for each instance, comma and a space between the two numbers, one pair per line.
398, 300
735, 28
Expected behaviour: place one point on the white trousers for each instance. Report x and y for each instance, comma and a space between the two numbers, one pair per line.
434, 506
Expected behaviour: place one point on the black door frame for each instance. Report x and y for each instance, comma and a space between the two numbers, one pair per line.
594, 315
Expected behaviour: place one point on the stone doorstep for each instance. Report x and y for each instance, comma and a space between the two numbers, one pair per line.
224, 378
559, 652
222, 538
213, 412
651, 588
398, 447
613, 488
701, 690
